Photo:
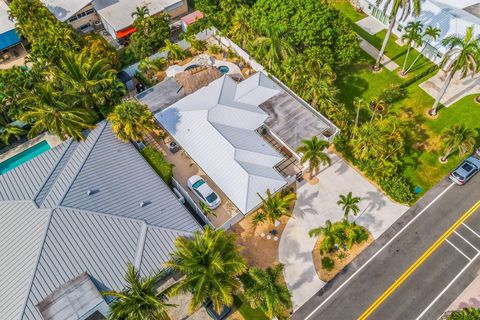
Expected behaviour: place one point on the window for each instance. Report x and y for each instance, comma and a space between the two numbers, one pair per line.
81, 15
85, 26
212, 197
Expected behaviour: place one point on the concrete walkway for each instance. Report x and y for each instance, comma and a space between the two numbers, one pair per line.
373, 52
457, 89
371, 25
470, 297
315, 205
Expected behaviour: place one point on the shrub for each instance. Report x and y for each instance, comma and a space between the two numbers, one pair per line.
418, 76
327, 263
398, 188
214, 49
158, 163
393, 94
143, 80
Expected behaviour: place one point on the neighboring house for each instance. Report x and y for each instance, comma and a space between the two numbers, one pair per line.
223, 128
8, 36
82, 208
116, 16
451, 17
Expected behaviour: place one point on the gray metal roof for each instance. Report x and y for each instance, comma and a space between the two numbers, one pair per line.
60, 231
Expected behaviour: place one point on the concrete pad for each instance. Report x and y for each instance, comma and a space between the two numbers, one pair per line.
318, 203
470, 297
371, 25
457, 89
373, 52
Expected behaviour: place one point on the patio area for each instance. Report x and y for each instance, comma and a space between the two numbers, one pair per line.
184, 168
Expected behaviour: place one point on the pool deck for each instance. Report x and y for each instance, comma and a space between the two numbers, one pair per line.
52, 140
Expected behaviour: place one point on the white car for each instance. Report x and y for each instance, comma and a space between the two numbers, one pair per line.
203, 191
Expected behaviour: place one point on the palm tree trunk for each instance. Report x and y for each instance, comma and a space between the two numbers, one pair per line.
357, 115
433, 111
416, 59
384, 45
447, 153
405, 62
373, 115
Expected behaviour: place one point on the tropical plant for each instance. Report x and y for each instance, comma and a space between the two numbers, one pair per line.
406, 7
339, 235
140, 12
158, 163
98, 48
240, 32
131, 121
430, 34
328, 263
274, 206
398, 188
273, 47
377, 106
139, 300
470, 313
57, 113
412, 36
458, 137
207, 210
358, 103
332, 238
211, 263
8, 131
197, 45
349, 203
173, 50
369, 142
462, 56
148, 67
263, 289
312, 151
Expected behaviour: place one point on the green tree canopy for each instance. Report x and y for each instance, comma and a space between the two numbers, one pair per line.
131, 121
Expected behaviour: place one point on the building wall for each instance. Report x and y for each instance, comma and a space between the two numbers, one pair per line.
178, 9
84, 17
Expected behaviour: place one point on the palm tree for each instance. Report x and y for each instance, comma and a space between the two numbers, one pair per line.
331, 236
462, 55
197, 45
131, 121
430, 34
274, 206
7, 131
369, 142
349, 203
240, 32
465, 314
312, 151
412, 36
273, 47
173, 50
264, 290
139, 300
458, 137
407, 7
140, 12
148, 66
358, 103
211, 263
55, 112
207, 210
377, 106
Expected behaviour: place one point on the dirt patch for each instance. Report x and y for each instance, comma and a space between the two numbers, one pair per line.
349, 255
258, 250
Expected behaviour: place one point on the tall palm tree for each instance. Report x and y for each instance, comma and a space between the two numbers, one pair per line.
93, 81
430, 34
331, 236
211, 263
173, 50
406, 7
274, 206
273, 47
458, 137
349, 203
55, 112
462, 56
131, 121
412, 36
313, 151
465, 314
264, 289
140, 12
139, 300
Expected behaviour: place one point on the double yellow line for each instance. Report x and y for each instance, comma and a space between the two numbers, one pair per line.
417, 263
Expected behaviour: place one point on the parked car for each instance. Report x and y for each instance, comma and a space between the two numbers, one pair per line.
213, 314
203, 191
465, 171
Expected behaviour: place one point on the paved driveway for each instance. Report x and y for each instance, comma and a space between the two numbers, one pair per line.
315, 205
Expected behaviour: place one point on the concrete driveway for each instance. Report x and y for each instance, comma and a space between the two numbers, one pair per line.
316, 204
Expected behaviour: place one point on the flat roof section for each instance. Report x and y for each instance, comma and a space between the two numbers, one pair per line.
162, 95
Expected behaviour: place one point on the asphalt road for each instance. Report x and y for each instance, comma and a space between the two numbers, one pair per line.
416, 269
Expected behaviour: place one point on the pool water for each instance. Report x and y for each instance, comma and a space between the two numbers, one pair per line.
223, 69
24, 156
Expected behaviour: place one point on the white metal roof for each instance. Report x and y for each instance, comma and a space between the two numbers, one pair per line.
217, 130
118, 13
5, 23
65, 9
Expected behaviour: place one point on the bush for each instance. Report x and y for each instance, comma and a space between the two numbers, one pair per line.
419, 76
214, 49
143, 80
327, 263
393, 94
158, 163
398, 188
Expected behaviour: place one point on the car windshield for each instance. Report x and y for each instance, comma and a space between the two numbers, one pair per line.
467, 167
211, 197
456, 175
198, 184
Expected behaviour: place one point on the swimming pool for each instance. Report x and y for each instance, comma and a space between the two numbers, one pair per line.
24, 156
223, 69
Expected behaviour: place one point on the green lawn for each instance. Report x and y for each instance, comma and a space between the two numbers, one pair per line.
421, 164
246, 311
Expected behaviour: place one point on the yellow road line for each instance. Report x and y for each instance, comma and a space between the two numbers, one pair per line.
417, 263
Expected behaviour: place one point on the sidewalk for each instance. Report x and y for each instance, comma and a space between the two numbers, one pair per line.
373, 52
470, 297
